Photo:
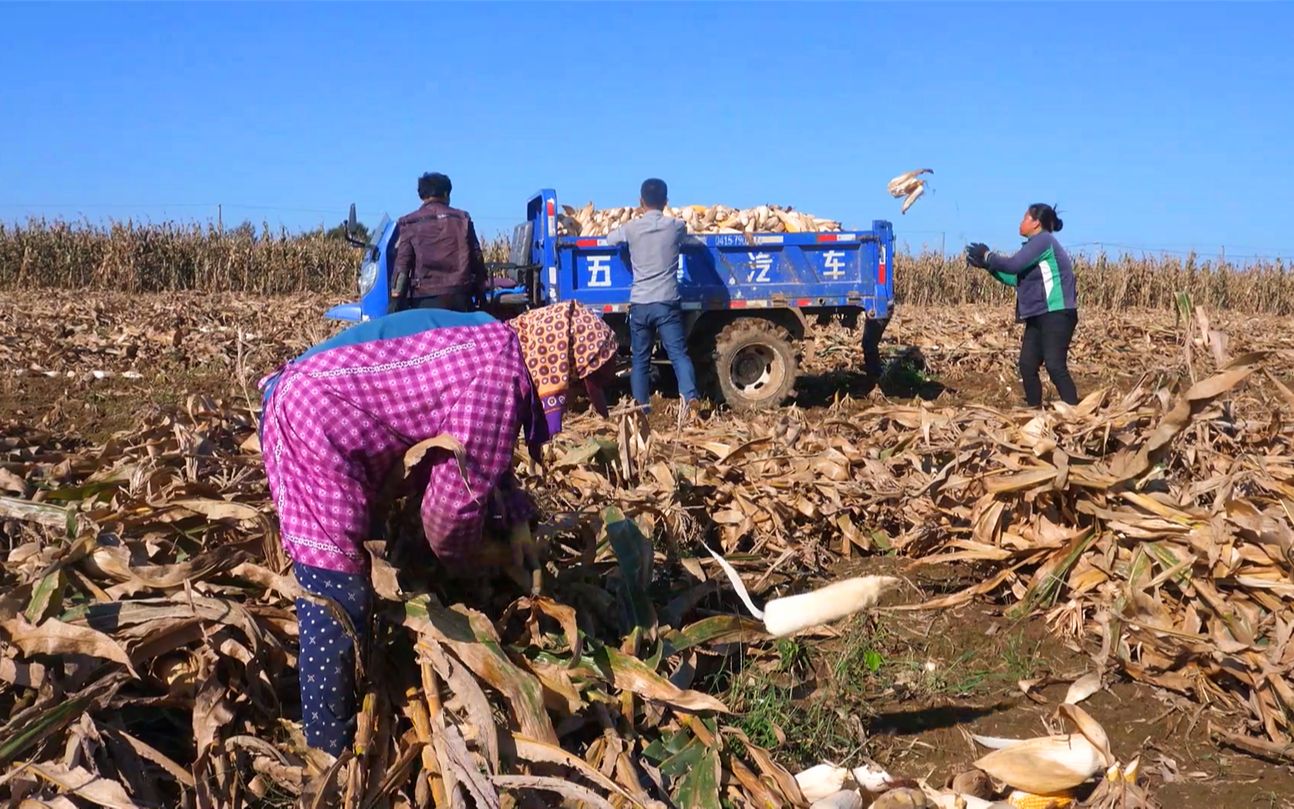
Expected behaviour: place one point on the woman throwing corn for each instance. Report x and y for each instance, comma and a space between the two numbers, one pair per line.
337, 420
1046, 300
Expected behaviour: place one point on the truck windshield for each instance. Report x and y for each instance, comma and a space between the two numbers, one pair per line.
375, 234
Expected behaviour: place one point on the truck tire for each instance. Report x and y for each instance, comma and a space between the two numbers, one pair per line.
754, 364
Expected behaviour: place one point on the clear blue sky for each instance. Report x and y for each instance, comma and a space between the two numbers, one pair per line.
1152, 125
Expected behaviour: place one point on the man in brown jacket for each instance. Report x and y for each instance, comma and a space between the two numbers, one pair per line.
438, 259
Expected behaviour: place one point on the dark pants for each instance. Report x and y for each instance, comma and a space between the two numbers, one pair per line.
1046, 341
326, 663
454, 302
646, 322
873, 330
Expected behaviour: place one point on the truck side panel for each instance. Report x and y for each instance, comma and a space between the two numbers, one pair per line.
721, 272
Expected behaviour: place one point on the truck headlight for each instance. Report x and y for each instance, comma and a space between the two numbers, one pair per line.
367, 277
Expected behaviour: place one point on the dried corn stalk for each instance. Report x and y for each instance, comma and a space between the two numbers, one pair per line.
1150, 525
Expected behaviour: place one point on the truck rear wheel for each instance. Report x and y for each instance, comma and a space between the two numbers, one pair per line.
754, 364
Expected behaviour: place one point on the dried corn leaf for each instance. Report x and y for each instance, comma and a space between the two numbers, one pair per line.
77, 781
53, 637
555, 785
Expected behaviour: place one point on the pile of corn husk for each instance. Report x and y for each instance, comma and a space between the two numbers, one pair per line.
147, 341
150, 648
973, 350
588, 221
1151, 527
149, 651
1043, 772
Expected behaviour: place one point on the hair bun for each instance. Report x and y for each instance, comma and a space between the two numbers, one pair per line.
1060, 224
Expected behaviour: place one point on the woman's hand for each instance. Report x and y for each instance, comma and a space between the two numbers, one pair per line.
977, 255
495, 555
517, 556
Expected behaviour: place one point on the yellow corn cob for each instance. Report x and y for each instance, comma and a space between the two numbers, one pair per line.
1130, 772
364, 728
1027, 800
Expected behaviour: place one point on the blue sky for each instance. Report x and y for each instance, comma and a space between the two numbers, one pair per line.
1153, 126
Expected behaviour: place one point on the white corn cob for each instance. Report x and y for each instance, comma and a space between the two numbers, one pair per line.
788, 615
903, 184
1045, 765
912, 197
844, 799
821, 781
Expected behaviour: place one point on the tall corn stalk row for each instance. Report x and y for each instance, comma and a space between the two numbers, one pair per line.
192, 256
1109, 282
171, 256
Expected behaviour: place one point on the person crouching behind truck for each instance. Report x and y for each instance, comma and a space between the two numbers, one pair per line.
873, 331
1046, 300
438, 259
655, 308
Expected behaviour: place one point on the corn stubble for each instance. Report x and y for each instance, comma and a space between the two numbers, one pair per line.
149, 640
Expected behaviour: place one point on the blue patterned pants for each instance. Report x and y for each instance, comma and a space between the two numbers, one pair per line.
327, 660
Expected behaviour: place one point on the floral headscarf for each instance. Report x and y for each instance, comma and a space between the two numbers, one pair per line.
563, 343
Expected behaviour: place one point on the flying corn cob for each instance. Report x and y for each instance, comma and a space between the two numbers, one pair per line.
912, 197
909, 185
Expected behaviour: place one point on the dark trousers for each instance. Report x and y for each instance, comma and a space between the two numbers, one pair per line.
1046, 342
454, 302
873, 330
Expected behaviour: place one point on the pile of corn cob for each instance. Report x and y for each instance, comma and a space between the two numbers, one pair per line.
588, 221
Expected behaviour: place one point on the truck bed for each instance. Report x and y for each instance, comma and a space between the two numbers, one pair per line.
847, 269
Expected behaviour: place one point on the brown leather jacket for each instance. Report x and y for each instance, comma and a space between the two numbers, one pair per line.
437, 254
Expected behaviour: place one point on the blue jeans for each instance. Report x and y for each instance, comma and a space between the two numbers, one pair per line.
646, 322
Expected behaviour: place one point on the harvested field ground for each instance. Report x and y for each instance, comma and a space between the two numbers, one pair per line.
154, 350
901, 688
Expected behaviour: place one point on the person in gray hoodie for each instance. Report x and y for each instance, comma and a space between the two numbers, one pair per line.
1046, 300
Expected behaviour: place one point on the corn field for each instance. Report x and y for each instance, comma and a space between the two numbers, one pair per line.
171, 256
174, 256
1109, 282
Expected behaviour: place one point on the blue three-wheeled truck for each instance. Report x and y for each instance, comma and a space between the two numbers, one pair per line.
747, 297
